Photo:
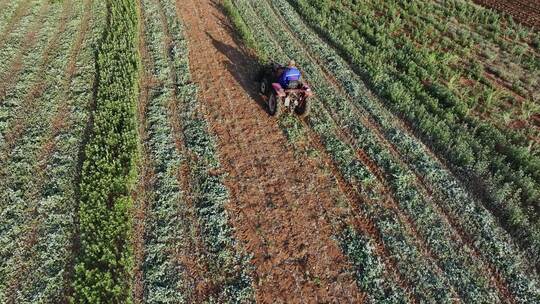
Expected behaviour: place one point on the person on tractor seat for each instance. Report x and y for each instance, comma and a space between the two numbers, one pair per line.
290, 77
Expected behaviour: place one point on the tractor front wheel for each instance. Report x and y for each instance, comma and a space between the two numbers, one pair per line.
264, 87
303, 109
274, 105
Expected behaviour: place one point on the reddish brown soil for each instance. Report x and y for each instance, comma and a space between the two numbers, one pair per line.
524, 11
278, 204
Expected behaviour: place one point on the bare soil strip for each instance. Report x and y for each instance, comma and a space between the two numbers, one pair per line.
278, 208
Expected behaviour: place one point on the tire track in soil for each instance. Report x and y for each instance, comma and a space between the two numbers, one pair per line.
271, 206
457, 232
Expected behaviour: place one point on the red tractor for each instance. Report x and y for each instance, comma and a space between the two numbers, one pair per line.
295, 97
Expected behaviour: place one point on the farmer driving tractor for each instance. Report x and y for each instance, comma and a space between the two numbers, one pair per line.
290, 76
285, 89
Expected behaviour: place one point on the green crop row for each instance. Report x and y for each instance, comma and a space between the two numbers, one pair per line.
370, 270
8, 10
51, 264
15, 87
332, 102
468, 37
165, 222
472, 64
42, 166
448, 261
458, 266
104, 258
20, 192
465, 142
428, 222
50, 279
20, 11
431, 69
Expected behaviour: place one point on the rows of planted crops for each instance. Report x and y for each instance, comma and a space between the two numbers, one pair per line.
182, 207
467, 249
70, 150
111, 188
48, 70
500, 165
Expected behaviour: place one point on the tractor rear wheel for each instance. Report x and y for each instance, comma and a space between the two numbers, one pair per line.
303, 109
274, 105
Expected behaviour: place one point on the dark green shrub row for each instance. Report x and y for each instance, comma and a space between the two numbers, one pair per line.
102, 270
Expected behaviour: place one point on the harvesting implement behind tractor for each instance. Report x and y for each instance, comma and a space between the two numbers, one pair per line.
293, 96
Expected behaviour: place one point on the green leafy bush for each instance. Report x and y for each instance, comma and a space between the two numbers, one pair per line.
104, 262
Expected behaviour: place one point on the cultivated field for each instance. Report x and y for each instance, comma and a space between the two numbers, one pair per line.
139, 164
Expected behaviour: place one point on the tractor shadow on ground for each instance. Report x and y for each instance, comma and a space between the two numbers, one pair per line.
243, 67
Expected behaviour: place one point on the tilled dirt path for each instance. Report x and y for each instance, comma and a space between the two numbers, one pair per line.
279, 205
